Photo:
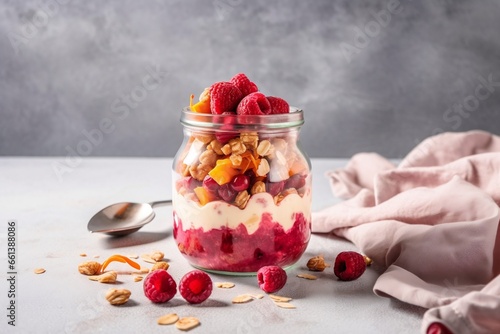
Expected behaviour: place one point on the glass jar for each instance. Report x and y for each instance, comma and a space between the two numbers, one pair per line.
242, 191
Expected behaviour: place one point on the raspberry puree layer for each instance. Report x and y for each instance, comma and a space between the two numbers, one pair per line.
235, 250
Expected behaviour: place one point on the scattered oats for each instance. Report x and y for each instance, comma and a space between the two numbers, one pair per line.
138, 278
186, 323
147, 258
242, 299
133, 256
107, 277
307, 276
118, 296
368, 261
138, 272
285, 305
168, 319
157, 256
224, 285
96, 256
280, 299
160, 265
257, 296
83, 254
39, 271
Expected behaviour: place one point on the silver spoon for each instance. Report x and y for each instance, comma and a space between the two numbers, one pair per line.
123, 218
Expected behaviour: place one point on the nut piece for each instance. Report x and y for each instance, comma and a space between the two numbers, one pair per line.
258, 187
237, 147
216, 146
107, 277
160, 265
153, 257
242, 299
241, 199
89, 268
168, 319
157, 255
204, 138
226, 149
208, 157
39, 271
117, 296
317, 263
236, 159
186, 323
250, 139
368, 261
199, 171
307, 276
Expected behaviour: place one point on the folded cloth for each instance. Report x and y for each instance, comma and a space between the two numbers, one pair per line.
432, 221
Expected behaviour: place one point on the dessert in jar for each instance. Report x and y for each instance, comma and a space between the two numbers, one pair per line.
242, 185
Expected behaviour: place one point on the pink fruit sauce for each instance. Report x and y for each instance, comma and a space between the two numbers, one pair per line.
235, 250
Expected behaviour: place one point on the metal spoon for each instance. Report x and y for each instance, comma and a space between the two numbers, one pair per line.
123, 218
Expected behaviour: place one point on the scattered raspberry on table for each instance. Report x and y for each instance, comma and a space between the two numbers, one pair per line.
349, 266
271, 278
195, 287
159, 286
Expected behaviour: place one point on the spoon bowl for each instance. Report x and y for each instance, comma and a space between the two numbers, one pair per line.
123, 218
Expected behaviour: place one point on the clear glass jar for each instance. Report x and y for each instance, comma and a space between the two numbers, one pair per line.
242, 191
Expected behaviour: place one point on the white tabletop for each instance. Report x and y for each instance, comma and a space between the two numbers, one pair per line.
52, 209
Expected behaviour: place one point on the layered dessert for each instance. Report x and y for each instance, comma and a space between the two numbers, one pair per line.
242, 196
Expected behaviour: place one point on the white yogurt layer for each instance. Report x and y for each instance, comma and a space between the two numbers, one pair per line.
219, 214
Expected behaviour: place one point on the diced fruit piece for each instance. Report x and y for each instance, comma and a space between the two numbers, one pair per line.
224, 96
349, 266
244, 84
190, 182
210, 184
195, 286
254, 104
203, 106
227, 193
240, 182
274, 188
271, 278
159, 286
223, 172
296, 181
204, 196
278, 105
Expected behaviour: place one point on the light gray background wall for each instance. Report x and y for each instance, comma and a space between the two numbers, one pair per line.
68, 66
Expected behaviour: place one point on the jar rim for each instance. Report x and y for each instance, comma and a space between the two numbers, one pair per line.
234, 122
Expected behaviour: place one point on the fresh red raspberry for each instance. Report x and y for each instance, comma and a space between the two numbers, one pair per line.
195, 286
254, 104
159, 286
271, 278
438, 328
349, 266
278, 105
224, 96
244, 84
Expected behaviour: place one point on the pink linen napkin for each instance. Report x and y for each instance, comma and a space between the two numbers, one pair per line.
432, 221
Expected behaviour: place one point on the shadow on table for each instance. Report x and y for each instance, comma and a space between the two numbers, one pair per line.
138, 238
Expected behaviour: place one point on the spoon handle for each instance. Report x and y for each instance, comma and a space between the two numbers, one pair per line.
161, 203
